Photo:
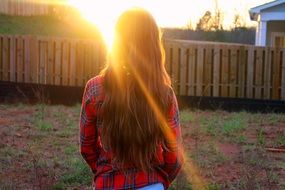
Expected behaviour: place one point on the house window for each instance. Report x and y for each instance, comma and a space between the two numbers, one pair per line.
278, 39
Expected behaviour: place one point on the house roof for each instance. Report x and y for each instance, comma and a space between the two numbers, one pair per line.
255, 11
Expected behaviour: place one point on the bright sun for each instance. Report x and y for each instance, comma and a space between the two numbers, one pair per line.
103, 14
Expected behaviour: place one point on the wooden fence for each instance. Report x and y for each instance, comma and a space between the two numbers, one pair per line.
54, 61
28, 7
196, 69
226, 70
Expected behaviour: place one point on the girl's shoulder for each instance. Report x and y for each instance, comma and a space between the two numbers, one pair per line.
97, 80
94, 86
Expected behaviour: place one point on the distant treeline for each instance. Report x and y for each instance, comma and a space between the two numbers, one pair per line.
241, 35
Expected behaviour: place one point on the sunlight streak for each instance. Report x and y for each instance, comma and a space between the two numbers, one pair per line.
189, 168
191, 171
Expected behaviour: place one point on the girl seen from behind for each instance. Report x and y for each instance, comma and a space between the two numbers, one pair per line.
129, 126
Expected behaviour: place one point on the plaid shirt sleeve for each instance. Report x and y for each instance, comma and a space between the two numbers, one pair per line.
88, 131
173, 157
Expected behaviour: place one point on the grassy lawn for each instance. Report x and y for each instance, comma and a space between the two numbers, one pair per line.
234, 150
41, 141
73, 27
39, 149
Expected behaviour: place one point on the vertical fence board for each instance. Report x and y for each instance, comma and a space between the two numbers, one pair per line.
20, 59
275, 73
191, 66
233, 72
250, 60
283, 76
57, 69
27, 59
79, 64
175, 67
183, 72
12, 60
51, 64
225, 72
100, 56
267, 73
46, 60
199, 71
216, 71
73, 63
96, 57
90, 73
42, 77
207, 73
241, 72
34, 54
87, 62
5, 58
84, 64
1, 61
65, 65
91, 58
258, 73
167, 56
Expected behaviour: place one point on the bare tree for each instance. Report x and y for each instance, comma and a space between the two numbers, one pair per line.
205, 22
189, 25
238, 21
217, 20
210, 22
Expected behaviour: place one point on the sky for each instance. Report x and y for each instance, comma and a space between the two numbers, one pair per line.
168, 13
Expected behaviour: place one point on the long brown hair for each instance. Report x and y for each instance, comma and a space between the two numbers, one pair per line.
134, 74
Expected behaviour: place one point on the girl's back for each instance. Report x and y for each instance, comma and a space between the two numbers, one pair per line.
129, 129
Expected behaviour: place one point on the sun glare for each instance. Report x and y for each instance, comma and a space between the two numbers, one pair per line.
92, 11
103, 14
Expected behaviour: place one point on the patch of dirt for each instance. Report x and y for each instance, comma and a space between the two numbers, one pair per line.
5, 121
229, 150
228, 172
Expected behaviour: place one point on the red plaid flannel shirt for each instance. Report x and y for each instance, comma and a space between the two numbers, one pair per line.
105, 175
